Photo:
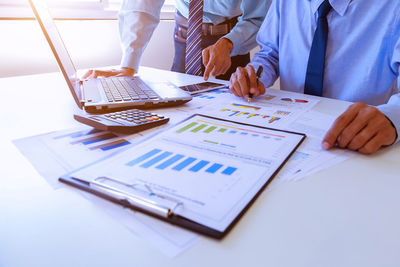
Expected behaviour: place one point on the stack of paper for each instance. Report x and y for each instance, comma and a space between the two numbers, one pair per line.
57, 153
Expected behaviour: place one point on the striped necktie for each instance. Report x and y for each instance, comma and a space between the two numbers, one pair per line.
316, 61
193, 39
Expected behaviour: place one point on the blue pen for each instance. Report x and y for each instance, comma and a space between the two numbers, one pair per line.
258, 74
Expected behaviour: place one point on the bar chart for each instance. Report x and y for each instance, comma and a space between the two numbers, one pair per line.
212, 94
247, 115
282, 112
207, 177
205, 127
162, 160
77, 134
56, 153
245, 106
204, 96
94, 139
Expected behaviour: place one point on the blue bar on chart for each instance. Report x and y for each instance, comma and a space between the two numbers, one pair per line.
78, 134
94, 139
156, 159
143, 157
222, 144
199, 166
111, 145
83, 133
163, 160
169, 162
215, 167
115, 144
184, 164
229, 170
98, 138
204, 96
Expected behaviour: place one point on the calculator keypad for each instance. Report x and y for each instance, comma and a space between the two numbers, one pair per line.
135, 116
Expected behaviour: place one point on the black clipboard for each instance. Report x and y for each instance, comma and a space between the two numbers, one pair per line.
159, 206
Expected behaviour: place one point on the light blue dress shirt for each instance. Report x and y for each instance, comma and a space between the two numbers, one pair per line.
139, 18
362, 55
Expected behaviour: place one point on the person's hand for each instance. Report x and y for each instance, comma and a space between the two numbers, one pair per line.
360, 128
244, 82
217, 58
92, 74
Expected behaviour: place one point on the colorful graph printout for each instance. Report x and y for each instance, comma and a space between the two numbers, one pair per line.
245, 106
286, 99
178, 162
204, 96
203, 126
56, 153
220, 91
188, 163
247, 115
91, 138
281, 112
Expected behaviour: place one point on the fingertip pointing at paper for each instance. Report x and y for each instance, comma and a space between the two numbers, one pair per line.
325, 145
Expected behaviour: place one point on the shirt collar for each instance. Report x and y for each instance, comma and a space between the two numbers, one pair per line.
340, 6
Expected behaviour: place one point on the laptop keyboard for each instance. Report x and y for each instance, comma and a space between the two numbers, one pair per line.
120, 89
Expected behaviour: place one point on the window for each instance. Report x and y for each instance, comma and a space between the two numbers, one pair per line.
74, 9
57, 3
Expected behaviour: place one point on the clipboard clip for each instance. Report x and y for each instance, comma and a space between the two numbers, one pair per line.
139, 195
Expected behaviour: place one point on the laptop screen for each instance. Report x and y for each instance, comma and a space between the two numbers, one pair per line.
57, 46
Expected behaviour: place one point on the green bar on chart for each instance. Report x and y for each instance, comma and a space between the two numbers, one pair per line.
195, 130
210, 129
186, 127
211, 142
222, 130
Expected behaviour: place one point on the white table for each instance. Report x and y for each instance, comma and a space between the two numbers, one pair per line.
347, 215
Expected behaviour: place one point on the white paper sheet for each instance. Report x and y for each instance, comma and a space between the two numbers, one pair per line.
57, 153
310, 157
277, 109
54, 157
213, 167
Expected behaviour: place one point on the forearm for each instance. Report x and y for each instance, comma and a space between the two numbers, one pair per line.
269, 60
268, 40
243, 35
137, 22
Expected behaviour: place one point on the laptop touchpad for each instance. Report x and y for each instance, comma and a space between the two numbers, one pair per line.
91, 91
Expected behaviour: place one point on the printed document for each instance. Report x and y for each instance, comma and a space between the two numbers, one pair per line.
213, 167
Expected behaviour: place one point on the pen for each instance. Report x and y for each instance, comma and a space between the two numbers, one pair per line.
258, 74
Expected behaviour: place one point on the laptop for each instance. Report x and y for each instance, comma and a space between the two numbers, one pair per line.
105, 94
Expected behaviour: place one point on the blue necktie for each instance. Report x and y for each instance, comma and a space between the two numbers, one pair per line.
193, 39
316, 61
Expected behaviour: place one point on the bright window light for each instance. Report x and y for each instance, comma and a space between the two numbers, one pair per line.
75, 9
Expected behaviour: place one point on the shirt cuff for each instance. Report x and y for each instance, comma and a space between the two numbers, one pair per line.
266, 77
131, 61
236, 44
392, 112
